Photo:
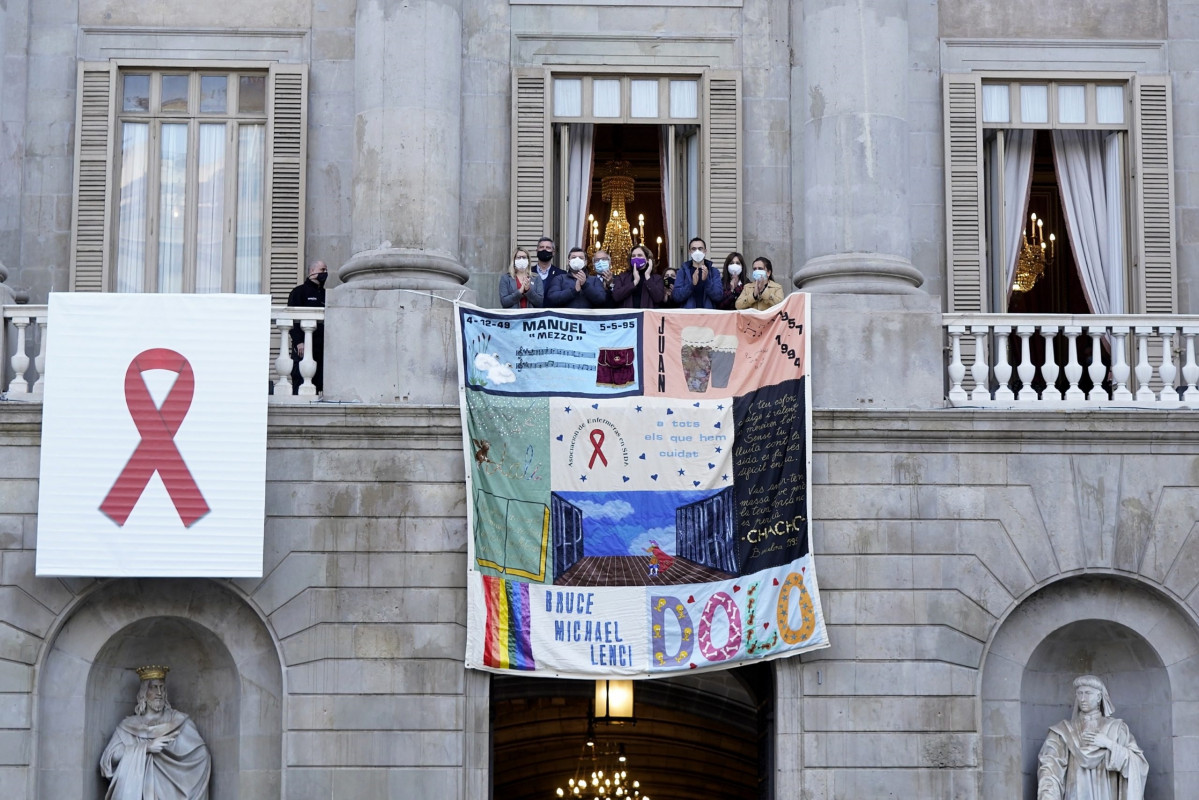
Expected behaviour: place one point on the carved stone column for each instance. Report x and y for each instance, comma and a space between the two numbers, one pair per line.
856, 222
390, 322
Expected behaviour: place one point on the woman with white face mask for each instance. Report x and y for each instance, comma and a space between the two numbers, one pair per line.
733, 280
762, 293
520, 287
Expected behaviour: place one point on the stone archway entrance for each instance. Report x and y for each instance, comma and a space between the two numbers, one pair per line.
1138, 641
708, 735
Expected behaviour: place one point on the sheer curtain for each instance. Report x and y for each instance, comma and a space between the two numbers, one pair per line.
210, 210
1088, 173
131, 228
1017, 184
251, 143
172, 207
665, 132
578, 182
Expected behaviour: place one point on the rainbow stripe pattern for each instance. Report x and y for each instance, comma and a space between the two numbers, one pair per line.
507, 645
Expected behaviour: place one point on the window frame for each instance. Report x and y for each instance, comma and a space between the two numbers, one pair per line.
193, 117
1152, 270
996, 280
536, 145
93, 207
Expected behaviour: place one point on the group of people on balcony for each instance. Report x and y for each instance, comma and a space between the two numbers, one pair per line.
699, 283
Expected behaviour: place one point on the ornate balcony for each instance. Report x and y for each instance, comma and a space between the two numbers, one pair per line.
1058, 361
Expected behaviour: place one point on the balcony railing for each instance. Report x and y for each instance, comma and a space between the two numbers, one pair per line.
1052, 361
23, 340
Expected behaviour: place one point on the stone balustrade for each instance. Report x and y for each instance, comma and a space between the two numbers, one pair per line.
1061, 361
23, 340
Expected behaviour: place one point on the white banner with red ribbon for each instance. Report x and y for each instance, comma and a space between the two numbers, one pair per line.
153, 459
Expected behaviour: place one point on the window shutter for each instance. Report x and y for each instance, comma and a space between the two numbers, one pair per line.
93, 177
722, 156
530, 158
287, 145
1153, 161
964, 193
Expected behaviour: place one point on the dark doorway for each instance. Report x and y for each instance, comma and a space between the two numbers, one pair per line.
708, 735
640, 146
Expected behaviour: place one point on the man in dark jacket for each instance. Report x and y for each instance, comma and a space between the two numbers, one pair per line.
697, 284
575, 289
545, 269
309, 294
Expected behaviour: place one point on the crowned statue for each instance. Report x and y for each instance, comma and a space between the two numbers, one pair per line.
156, 754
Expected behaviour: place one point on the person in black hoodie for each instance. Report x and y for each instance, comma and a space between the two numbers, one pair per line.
309, 294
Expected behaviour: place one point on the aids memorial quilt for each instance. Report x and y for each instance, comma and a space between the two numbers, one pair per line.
638, 489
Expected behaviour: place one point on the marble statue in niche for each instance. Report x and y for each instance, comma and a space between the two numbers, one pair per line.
156, 754
1092, 755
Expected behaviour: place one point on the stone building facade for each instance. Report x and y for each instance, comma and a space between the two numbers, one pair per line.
971, 558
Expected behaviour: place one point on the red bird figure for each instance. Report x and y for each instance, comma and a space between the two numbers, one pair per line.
661, 560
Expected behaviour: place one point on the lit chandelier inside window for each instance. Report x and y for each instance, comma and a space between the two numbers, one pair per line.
601, 776
1035, 256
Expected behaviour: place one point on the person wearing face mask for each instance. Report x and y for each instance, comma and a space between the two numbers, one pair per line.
763, 292
544, 269
309, 294
668, 279
698, 282
575, 289
521, 287
639, 287
733, 282
601, 262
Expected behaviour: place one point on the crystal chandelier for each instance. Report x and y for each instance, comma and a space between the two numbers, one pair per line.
1035, 255
601, 776
617, 189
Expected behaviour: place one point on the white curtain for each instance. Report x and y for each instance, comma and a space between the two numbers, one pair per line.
1088, 169
1017, 184
665, 132
172, 207
210, 208
251, 142
131, 228
578, 183
1113, 183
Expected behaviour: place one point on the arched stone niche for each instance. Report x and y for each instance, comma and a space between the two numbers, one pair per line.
1132, 672
225, 673
1137, 640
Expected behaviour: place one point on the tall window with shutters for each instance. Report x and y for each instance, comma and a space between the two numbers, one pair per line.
189, 178
1090, 156
677, 130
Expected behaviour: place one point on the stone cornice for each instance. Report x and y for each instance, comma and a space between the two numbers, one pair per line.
327, 425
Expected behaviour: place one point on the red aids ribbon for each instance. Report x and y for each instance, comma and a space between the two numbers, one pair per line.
156, 452
597, 441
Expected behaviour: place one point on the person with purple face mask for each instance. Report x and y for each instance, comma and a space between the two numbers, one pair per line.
734, 280
698, 282
639, 287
